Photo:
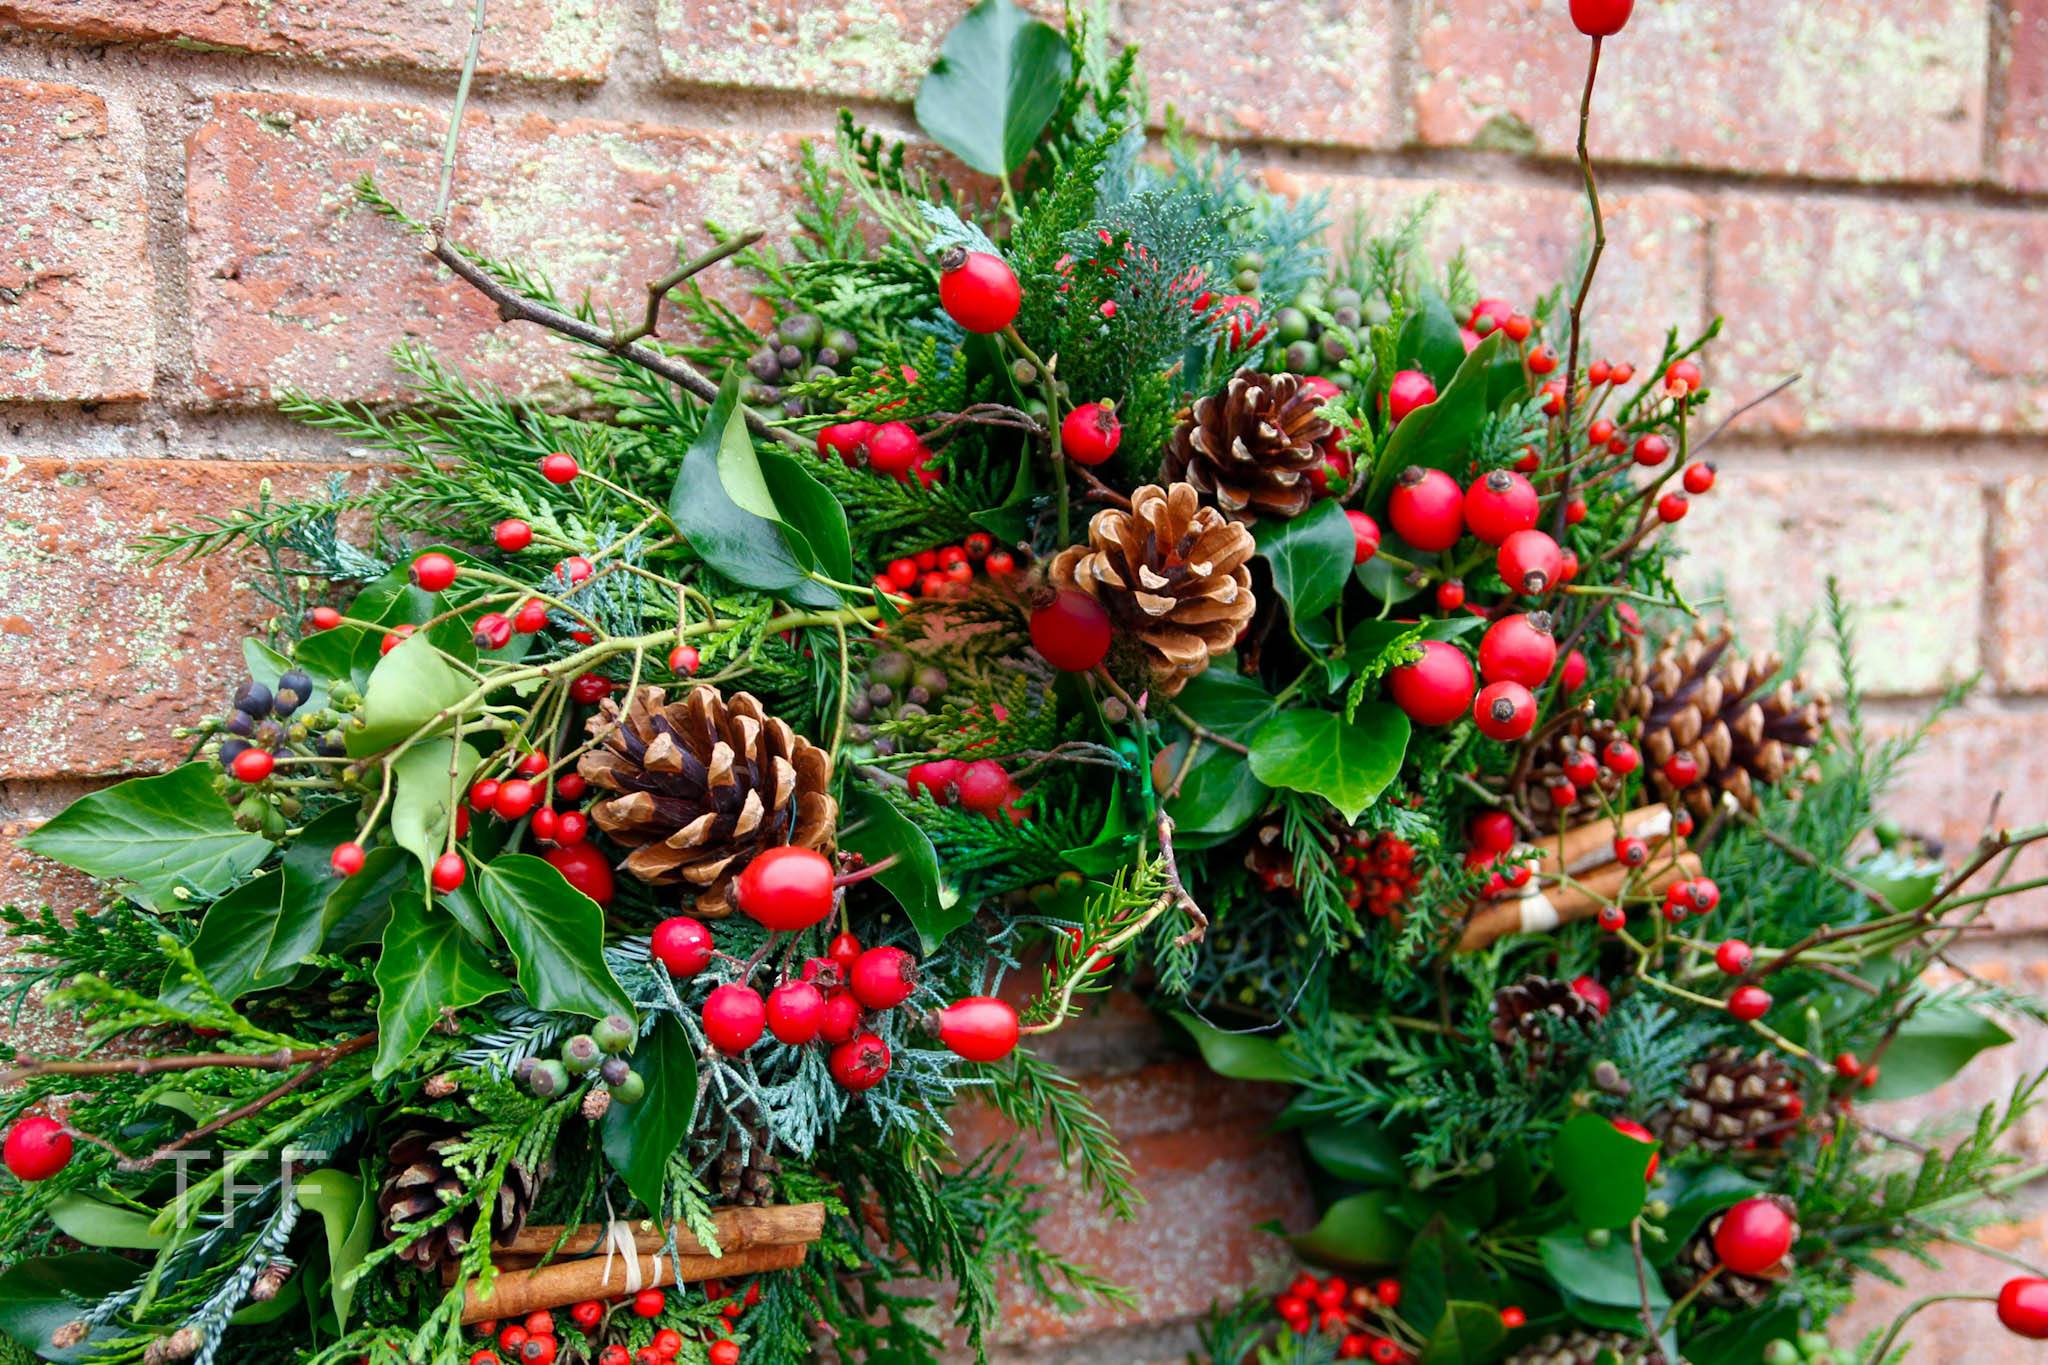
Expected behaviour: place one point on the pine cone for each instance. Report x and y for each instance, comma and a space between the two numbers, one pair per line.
1694, 697
1728, 1289
1269, 859
1171, 572
1583, 733
1732, 1100
1580, 1346
1533, 1009
1251, 446
182, 1344
705, 784
421, 1180
747, 1171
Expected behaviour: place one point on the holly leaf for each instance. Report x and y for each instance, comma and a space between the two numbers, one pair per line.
349, 1213
1936, 1041
876, 830
158, 835
1359, 1230
1438, 435
1347, 763
1467, 1334
427, 964
556, 934
997, 81
640, 1138
1310, 556
1599, 1275
1604, 1171
424, 796
358, 907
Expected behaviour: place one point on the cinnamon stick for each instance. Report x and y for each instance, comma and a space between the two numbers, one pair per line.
738, 1229
515, 1293
1545, 907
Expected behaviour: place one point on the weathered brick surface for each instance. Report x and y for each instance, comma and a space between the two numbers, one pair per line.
1906, 548
1898, 318
1742, 85
102, 656
554, 39
2022, 149
2017, 581
75, 275
295, 283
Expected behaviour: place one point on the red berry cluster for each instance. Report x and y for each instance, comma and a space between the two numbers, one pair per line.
890, 448
1354, 1314
948, 570
534, 1340
1382, 872
524, 790
983, 786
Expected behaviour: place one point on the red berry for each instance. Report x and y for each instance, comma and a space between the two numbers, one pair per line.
1598, 433
511, 1339
1580, 770
1573, 675
1450, 595
1682, 378
397, 636
590, 688
1652, 449
531, 617
978, 544
1001, 562
1631, 852
571, 825
253, 765
844, 949
1542, 360
681, 944
1427, 508
558, 467
859, 1063
1409, 390
1072, 631
1754, 1236
724, 1353
512, 534
486, 1358
449, 870
983, 786
37, 1147
493, 631
514, 798
883, 978
1847, 1066
842, 1017
570, 786
1593, 993
1518, 327
1681, 769
1562, 793
845, 440
1518, 648
1089, 434
1365, 536
1505, 711
1436, 689
1512, 1317
788, 887
1491, 831
1488, 314
1601, 19
1672, 507
734, 1017
1621, 757
795, 1009
325, 618
1612, 918
483, 795
648, 1303
2023, 1307
575, 569
347, 859
1706, 894
894, 449
1530, 563
938, 779
980, 1028
1499, 505
1574, 511
684, 660
538, 1350
582, 866
1631, 1128
1699, 477
667, 1343
978, 290
432, 572
1749, 1003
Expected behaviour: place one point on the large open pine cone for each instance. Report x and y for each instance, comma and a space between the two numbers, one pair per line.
1732, 1100
420, 1179
1171, 572
1694, 696
705, 784
1534, 1009
1251, 446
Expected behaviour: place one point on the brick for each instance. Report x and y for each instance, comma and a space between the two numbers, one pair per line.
75, 277
294, 283
1767, 87
2017, 641
30, 882
863, 49
1906, 548
1897, 318
549, 39
102, 656
2020, 154
1521, 242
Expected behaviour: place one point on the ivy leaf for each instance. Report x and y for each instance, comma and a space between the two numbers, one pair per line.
1310, 556
1604, 1275
640, 1138
427, 965
1431, 340
1382, 579
1231, 704
1359, 1230
875, 830
1347, 763
1240, 1056
408, 689
156, 833
1934, 1043
40, 1296
1467, 1334
1603, 1170
1438, 435
359, 907
556, 933
423, 797
1218, 795
999, 77
345, 1207
722, 505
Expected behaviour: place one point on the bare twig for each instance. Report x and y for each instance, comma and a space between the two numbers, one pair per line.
657, 290
281, 1060
1732, 418
1571, 364
439, 222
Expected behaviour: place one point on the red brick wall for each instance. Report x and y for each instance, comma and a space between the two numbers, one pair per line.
1858, 185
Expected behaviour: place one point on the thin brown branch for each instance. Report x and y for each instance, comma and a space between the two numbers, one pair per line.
283, 1059
1571, 364
207, 1130
657, 290
1732, 418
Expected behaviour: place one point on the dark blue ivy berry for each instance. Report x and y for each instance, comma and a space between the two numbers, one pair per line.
240, 723
230, 748
292, 690
253, 697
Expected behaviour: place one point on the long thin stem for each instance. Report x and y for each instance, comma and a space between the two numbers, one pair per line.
1571, 363
657, 290
439, 222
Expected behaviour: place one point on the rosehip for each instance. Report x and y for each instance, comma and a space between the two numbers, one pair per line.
37, 1148
347, 859
1699, 477
325, 618
1491, 831
1573, 675
883, 978
449, 870
786, 888
559, 467
845, 440
1593, 993
1505, 711
1089, 433
514, 798
1436, 689
1427, 508
1630, 1128
432, 572
1518, 648
1499, 505
1754, 1236
860, 1063
512, 535
978, 290
1672, 507
1072, 632
1530, 563
493, 631
795, 1009
1749, 1003
252, 765
583, 867
841, 1019
2023, 1307
1365, 536
1681, 769
894, 449
1580, 769
734, 1017
1601, 19
979, 1028
1621, 757
938, 779
530, 618
1682, 378
1450, 595
1652, 449
1409, 390
682, 945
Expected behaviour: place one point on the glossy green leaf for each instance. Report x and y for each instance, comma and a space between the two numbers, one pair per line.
1357, 1152
1602, 1275
1694, 1195
1905, 883
39, 1296
556, 934
873, 828
1382, 579
1467, 1334
998, 79
1240, 1056
722, 505
409, 690
1439, 1268
1231, 704
1936, 1042
359, 907
1347, 763
424, 797
1218, 795
1357, 1231
157, 834
1310, 556
640, 1138
109, 1226
1438, 435
1431, 340
1602, 1170
808, 506
427, 964
349, 1212
1741, 1339
353, 651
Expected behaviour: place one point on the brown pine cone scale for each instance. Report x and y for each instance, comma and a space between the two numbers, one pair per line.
1251, 446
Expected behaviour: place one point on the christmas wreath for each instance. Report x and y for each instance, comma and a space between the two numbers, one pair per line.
646, 815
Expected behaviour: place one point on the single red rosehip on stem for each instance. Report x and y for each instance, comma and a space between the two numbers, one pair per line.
1672, 507
1652, 449
1072, 631
347, 859
1450, 595
1518, 648
1089, 433
1499, 505
845, 440
449, 870
1365, 536
786, 888
1682, 769
2023, 1307
682, 945
253, 765
1749, 1003
1573, 675
1754, 1236
1505, 711
978, 290
1491, 831
979, 1028
1601, 18
558, 467
1407, 391
684, 660
859, 1063
432, 572
1436, 689
734, 1017
512, 534
1621, 757
1530, 563
1699, 477
1427, 508
895, 449
883, 978
795, 1010
37, 1148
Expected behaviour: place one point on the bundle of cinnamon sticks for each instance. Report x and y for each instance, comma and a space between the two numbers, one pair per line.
1576, 873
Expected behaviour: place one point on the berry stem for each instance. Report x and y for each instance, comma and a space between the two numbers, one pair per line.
872, 869
1571, 364
1884, 1347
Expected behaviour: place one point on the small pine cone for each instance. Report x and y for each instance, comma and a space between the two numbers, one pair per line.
1580, 1346
597, 1102
182, 1344
70, 1334
1170, 572
1728, 1289
1732, 1101
703, 785
1251, 446
1269, 859
270, 1282
441, 1087
1534, 1009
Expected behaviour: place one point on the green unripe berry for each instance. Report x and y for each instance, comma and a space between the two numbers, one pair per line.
1781, 1352
631, 1090
1815, 1344
1598, 1238
548, 1079
1290, 325
581, 1054
615, 1033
